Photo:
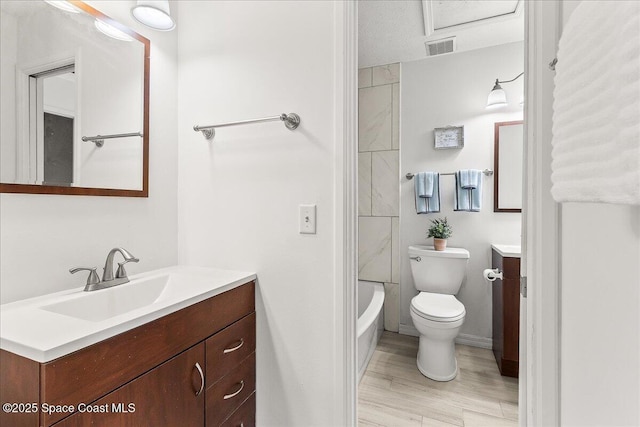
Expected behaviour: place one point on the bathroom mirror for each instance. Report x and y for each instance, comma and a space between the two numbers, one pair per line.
75, 101
508, 159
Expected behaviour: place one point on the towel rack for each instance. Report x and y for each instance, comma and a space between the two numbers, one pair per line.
487, 172
99, 139
291, 121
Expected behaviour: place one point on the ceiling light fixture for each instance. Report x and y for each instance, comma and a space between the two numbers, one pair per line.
111, 31
497, 96
63, 5
154, 14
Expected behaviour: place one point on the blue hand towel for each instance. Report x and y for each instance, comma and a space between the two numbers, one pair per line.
470, 178
468, 199
427, 192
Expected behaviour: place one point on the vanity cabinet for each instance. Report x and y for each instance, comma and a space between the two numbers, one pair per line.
506, 314
193, 367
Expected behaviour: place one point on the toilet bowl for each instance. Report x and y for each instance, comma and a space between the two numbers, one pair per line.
438, 319
435, 311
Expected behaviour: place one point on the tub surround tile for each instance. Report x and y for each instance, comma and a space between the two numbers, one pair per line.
364, 184
364, 77
386, 74
395, 116
391, 307
395, 250
385, 191
374, 247
374, 118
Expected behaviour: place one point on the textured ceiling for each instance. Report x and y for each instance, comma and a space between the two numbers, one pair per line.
396, 30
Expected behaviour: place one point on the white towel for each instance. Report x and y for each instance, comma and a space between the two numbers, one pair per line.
596, 117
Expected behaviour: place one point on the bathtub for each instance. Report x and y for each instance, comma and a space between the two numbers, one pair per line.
370, 323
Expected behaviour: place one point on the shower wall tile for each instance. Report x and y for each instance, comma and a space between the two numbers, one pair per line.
395, 116
391, 307
374, 247
374, 118
364, 77
385, 190
386, 74
364, 184
395, 250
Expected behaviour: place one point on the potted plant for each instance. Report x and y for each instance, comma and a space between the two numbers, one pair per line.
440, 230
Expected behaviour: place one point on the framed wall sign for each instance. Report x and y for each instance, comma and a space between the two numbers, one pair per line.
448, 137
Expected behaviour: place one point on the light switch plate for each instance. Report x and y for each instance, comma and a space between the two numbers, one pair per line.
307, 219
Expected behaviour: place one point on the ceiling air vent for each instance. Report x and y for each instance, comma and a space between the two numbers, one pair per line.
438, 47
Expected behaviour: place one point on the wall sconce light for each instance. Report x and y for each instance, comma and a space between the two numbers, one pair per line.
154, 14
497, 96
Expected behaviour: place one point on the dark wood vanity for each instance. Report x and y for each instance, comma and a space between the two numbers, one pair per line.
193, 367
506, 314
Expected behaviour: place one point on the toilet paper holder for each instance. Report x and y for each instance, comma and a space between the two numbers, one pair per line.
492, 274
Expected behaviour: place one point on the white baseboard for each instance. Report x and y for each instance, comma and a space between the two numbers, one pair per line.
475, 341
465, 339
408, 330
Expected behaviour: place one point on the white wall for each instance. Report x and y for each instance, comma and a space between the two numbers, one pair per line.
452, 90
600, 312
239, 194
45, 235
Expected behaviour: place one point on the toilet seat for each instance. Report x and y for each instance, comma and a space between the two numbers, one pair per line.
437, 307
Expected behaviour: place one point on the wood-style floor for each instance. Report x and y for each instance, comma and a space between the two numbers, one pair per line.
394, 393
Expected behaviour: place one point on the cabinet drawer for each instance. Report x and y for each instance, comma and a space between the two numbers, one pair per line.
244, 416
229, 347
227, 395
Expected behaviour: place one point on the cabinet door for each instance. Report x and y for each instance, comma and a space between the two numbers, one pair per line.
169, 395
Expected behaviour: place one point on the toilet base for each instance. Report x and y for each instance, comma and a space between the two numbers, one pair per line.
437, 359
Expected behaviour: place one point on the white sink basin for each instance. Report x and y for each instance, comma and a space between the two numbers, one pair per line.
99, 305
51, 326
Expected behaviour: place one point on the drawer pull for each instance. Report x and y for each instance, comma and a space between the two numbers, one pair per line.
201, 379
235, 393
232, 349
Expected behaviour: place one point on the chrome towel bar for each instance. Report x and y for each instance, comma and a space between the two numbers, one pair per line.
487, 172
99, 139
291, 121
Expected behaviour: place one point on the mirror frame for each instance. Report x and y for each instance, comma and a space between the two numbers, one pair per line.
496, 164
89, 191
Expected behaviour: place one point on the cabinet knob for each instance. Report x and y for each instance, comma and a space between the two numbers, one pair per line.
201, 379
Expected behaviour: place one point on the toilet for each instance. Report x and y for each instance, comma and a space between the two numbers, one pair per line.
435, 311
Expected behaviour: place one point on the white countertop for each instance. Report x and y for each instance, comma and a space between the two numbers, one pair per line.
508, 251
30, 331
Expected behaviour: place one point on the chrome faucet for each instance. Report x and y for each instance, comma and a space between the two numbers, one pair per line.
107, 275
93, 281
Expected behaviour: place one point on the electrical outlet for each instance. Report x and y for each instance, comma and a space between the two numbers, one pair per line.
307, 219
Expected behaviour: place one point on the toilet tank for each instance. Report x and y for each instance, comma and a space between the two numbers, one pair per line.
438, 271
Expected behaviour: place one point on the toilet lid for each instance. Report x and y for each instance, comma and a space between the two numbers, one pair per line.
438, 307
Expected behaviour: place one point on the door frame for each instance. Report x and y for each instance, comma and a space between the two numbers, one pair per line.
540, 394
541, 216
346, 211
